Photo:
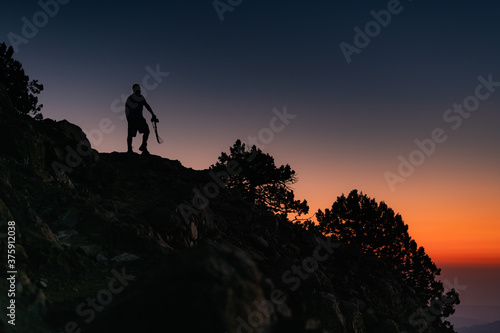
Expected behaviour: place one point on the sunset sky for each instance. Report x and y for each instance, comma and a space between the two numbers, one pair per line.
351, 119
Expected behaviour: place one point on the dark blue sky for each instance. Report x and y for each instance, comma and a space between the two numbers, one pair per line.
353, 120
429, 53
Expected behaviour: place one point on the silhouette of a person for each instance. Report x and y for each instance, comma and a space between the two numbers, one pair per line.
136, 121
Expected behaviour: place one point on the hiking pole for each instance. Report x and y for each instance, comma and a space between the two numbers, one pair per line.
154, 121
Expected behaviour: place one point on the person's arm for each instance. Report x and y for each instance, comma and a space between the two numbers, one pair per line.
150, 109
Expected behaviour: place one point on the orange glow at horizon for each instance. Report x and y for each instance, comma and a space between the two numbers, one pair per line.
453, 229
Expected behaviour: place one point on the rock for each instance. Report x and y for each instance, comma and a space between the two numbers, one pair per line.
101, 258
125, 257
258, 242
43, 283
91, 250
210, 288
64, 236
194, 231
389, 326
67, 220
330, 313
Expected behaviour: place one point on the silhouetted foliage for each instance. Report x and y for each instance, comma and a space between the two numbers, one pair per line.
357, 219
259, 181
17, 86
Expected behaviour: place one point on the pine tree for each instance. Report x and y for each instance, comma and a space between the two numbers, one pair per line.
259, 181
358, 219
16, 86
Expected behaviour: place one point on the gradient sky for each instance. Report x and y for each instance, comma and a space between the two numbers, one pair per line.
353, 120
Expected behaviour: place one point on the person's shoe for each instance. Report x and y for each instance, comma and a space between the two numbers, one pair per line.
130, 151
145, 152
143, 147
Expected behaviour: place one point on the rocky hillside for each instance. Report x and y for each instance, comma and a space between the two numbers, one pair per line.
127, 243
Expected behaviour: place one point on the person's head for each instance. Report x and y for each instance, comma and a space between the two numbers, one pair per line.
136, 88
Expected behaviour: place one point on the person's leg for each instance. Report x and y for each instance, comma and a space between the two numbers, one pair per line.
129, 144
145, 137
145, 130
131, 133
144, 146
